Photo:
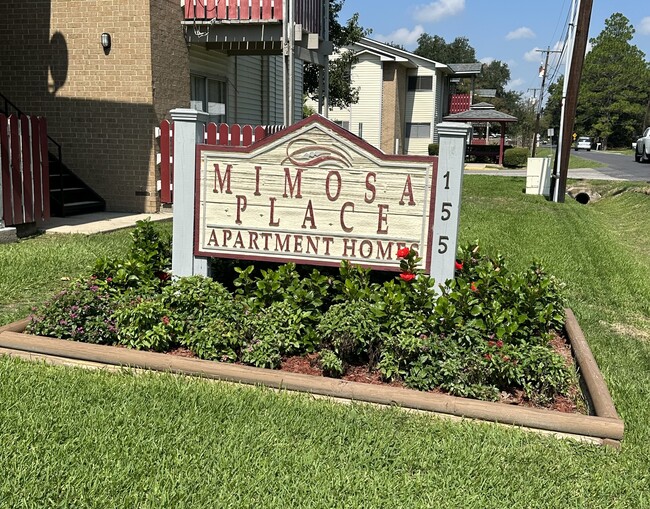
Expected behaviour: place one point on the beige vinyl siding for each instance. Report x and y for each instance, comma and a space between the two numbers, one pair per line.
367, 76
259, 90
420, 108
248, 104
213, 65
254, 84
276, 115
440, 93
297, 109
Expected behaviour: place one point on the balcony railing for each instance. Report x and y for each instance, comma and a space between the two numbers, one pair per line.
308, 13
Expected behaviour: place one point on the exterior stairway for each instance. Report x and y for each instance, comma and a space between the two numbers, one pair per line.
69, 195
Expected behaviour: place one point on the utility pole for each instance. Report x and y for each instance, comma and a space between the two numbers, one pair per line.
575, 73
533, 105
569, 44
548, 51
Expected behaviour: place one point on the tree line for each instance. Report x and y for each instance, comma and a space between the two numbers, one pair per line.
614, 97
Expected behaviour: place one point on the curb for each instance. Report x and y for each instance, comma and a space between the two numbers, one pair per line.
605, 427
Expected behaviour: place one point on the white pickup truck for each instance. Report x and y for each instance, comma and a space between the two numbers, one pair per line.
642, 149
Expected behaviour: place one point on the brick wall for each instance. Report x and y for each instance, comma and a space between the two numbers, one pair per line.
393, 107
170, 58
100, 105
106, 102
25, 53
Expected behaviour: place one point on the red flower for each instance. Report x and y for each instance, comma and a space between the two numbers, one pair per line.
407, 276
403, 253
473, 287
458, 265
488, 356
165, 320
491, 343
499, 344
162, 275
505, 358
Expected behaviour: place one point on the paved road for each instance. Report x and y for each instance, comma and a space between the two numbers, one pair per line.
618, 165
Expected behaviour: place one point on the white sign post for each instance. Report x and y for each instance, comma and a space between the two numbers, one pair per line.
188, 133
451, 165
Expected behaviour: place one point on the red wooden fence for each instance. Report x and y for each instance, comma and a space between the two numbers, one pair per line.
242, 10
309, 13
24, 169
214, 134
459, 103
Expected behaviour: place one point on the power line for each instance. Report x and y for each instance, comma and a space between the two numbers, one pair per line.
575, 72
548, 51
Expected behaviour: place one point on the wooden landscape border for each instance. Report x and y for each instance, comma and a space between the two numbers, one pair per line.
603, 427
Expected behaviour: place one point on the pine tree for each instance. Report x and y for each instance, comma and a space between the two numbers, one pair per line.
615, 86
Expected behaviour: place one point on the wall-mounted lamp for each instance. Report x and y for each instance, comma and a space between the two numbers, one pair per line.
106, 41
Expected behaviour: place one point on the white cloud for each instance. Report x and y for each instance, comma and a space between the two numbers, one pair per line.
438, 10
515, 83
404, 36
644, 26
487, 60
533, 55
520, 33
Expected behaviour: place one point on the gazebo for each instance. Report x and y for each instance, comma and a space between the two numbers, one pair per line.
483, 113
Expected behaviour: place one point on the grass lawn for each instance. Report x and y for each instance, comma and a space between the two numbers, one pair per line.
575, 161
72, 438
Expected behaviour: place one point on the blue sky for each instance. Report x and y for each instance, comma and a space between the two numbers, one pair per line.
506, 30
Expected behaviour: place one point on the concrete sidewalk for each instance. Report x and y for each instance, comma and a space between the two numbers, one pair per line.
99, 222
577, 173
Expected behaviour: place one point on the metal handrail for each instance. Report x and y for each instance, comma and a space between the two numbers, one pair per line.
58, 155
8, 104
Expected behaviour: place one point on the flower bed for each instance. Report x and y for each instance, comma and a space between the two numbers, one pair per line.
485, 334
602, 427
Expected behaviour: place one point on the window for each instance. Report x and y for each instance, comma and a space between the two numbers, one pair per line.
209, 95
418, 130
343, 123
420, 83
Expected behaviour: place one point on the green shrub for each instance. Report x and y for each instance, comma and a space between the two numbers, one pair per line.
331, 364
401, 348
217, 339
283, 283
147, 325
83, 312
351, 329
150, 246
261, 353
515, 157
147, 262
281, 329
196, 300
487, 330
433, 149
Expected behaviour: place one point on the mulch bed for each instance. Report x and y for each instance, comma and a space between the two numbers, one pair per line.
308, 364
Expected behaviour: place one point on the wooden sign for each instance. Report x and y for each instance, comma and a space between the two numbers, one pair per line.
314, 194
